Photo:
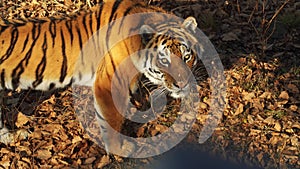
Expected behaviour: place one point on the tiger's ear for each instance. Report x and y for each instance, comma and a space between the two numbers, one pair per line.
190, 24
146, 33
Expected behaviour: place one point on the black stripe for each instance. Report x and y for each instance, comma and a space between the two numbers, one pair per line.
108, 32
80, 76
155, 71
112, 60
98, 20
110, 54
69, 28
131, 29
114, 9
64, 66
3, 79
179, 38
147, 57
85, 25
112, 16
13, 41
100, 117
118, 74
91, 23
91, 30
51, 86
41, 66
108, 74
52, 30
25, 42
101, 67
35, 20
127, 48
161, 54
80, 44
33, 32
70, 82
99, 13
35, 36
151, 58
128, 10
16, 73
3, 28
164, 41
145, 64
178, 34
167, 24
140, 5
93, 71
79, 37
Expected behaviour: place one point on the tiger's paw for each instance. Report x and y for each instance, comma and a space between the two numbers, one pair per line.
125, 150
7, 137
128, 148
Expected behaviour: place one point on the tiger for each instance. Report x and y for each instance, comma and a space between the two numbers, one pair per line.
47, 53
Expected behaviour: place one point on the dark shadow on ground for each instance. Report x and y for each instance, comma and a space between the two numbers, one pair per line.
188, 156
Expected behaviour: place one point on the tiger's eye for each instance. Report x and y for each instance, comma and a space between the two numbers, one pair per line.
187, 58
164, 62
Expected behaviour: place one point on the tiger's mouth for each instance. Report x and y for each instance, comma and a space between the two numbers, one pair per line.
175, 90
178, 92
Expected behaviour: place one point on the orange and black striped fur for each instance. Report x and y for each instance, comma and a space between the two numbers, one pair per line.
48, 53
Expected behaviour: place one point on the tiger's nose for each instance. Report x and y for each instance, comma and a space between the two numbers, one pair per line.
180, 84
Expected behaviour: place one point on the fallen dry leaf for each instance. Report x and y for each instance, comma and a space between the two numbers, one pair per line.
269, 120
277, 126
104, 161
248, 96
239, 110
90, 160
21, 120
253, 81
43, 154
266, 95
76, 139
284, 95
5, 163
294, 107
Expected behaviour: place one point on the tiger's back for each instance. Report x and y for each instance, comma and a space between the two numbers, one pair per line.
48, 53
37, 54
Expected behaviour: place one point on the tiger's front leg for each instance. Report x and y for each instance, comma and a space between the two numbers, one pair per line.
111, 102
111, 122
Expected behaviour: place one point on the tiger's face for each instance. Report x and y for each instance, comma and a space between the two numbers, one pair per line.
169, 66
169, 57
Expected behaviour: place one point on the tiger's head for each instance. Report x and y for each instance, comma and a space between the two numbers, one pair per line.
170, 53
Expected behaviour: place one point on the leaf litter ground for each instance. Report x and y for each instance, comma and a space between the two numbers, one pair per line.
258, 43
